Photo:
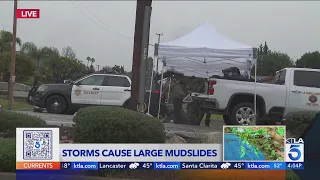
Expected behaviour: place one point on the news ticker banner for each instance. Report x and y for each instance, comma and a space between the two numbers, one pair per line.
175, 166
39, 148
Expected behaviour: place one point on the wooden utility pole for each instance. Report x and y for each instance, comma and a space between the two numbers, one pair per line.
13, 55
159, 35
137, 51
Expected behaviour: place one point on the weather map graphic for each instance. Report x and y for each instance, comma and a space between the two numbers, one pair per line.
254, 143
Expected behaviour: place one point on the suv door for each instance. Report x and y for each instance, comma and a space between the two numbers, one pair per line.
88, 90
116, 90
304, 91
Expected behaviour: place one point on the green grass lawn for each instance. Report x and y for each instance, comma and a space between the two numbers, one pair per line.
213, 117
17, 104
10, 143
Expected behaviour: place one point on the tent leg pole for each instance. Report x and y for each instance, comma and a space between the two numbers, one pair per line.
159, 107
255, 90
169, 90
151, 83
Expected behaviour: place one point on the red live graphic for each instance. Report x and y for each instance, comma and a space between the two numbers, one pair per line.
28, 13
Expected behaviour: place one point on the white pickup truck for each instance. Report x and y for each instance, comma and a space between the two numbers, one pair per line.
292, 90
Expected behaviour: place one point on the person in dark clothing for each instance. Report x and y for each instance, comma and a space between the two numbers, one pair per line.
207, 113
33, 89
207, 121
178, 101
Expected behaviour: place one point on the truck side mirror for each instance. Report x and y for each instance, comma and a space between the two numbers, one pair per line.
77, 83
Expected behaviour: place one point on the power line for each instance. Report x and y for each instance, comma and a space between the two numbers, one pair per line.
104, 23
98, 19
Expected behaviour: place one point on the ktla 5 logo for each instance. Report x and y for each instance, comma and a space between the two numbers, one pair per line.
294, 150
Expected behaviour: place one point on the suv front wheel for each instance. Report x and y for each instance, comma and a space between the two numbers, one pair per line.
56, 104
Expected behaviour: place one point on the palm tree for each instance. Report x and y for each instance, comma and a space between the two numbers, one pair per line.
39, 55
6, 41
92, 61
88, 60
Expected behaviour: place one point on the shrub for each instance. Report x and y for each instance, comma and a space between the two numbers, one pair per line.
9, 121
297, 123
116, 125
7, 155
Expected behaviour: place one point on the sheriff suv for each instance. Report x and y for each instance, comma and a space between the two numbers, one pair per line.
94, 89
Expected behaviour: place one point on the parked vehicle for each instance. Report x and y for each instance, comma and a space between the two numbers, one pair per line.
293, 90
94, 89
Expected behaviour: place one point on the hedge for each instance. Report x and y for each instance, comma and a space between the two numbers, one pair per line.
297, 123
105, 124
7, 155
9, 121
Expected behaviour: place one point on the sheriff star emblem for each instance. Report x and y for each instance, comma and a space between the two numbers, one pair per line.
77, 92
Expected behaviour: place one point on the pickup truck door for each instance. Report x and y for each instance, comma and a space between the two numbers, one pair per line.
88, 90
116, 90
304, 92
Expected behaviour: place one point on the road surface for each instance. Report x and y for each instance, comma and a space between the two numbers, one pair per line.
66, 120
20, 94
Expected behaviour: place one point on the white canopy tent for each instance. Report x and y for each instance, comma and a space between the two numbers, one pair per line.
203, 53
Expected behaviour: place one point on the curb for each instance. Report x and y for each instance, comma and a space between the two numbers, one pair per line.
24, 109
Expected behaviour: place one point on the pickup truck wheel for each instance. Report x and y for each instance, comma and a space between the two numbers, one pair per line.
226, 119
56, 104
243, 114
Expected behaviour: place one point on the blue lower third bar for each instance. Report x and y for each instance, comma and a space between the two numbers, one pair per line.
84, 165
266, 165
166, 165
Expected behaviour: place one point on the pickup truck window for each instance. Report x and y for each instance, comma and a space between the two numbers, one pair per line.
307, 78
118, 81
280, 78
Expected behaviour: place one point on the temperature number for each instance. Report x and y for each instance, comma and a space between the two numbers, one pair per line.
238, 165
65, 165
147, 165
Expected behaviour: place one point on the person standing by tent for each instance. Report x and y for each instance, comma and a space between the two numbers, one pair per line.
203, 89
178, 95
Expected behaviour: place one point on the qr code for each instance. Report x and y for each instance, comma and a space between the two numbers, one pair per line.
37, 145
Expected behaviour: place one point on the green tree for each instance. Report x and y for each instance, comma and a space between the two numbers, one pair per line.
309, 60
68, 52
268, 62
263, 50
6, 40
39, 54
24, 66
273, 62
64, 68
118, 69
